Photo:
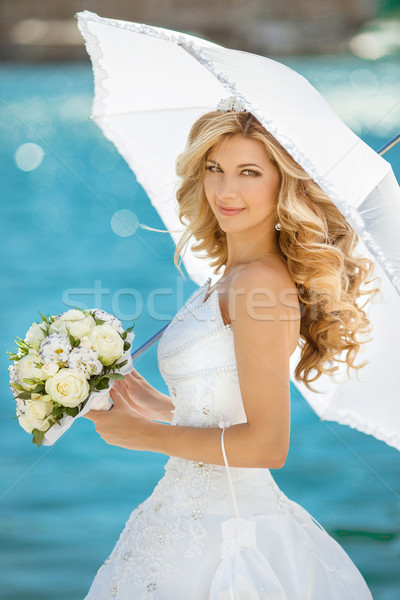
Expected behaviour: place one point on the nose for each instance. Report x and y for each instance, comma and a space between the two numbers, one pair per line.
226, 188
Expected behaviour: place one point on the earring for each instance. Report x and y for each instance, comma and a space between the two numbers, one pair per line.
278, 226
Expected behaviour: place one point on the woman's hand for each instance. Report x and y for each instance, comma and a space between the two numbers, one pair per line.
121, 425
144, 398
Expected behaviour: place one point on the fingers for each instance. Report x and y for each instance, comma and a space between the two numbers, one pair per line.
96, 415
132, 377
119, 401
118, 397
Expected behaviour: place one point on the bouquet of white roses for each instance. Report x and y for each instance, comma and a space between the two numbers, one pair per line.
65, 367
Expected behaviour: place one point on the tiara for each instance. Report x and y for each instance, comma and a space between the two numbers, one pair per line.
232, 103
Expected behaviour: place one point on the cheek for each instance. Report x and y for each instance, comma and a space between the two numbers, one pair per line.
209, 190
262, 196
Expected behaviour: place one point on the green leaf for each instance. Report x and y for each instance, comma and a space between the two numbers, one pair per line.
72, 411
118, 376
120, 365
127, 345
24, 396
102, 384
130, 328
123, 335
38, 437
57, 412
39, 388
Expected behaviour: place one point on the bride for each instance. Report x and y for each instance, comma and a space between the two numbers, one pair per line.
289, 277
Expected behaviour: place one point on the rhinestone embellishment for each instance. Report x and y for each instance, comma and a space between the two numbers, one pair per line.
232, 103
151, 587
196, 514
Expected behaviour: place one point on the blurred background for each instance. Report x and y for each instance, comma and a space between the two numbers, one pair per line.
63, 507
40, 30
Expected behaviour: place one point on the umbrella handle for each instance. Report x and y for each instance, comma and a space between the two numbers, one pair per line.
148, 343
389, 145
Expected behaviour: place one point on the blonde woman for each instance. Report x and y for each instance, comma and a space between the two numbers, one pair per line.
289, 277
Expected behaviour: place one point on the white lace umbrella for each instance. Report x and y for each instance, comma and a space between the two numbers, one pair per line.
151, 84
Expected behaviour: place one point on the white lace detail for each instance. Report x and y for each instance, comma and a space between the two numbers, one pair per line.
195, 407
173, 512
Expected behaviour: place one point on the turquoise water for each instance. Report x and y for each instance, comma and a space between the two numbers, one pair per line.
62, 508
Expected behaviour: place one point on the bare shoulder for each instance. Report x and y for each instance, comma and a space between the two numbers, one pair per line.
269, 278
271, 272
262, 295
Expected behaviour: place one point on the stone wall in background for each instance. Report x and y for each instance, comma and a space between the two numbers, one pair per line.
45, 30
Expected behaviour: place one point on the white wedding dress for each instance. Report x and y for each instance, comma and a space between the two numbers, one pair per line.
185, 542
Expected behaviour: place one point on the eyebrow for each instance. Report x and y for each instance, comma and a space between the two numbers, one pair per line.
240, 166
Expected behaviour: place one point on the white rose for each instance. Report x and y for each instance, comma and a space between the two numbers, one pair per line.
35, 412
25, 368
107, 342
68, 387
77, 323
25, 422
85, 342
34, 334
49, 369
58, 326
101, 401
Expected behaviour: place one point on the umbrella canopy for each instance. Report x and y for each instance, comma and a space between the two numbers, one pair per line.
151, 84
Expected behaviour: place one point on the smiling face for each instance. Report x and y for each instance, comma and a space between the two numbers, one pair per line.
240, 176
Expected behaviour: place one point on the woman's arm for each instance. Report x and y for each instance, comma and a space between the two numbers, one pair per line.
260, 327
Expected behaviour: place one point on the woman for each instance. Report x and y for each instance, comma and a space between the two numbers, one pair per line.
290, 277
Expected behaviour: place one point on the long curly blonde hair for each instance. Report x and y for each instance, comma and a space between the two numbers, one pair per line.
316, 241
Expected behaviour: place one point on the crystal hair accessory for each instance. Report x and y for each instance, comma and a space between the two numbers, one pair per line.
232, 103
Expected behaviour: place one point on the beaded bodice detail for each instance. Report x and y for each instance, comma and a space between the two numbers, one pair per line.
196, 358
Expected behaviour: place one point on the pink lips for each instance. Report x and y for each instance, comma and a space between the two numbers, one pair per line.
229, 211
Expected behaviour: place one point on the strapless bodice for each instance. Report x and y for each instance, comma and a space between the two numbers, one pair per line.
196, 358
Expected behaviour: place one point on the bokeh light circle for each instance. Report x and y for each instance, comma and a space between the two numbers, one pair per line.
124, 222
29, 156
